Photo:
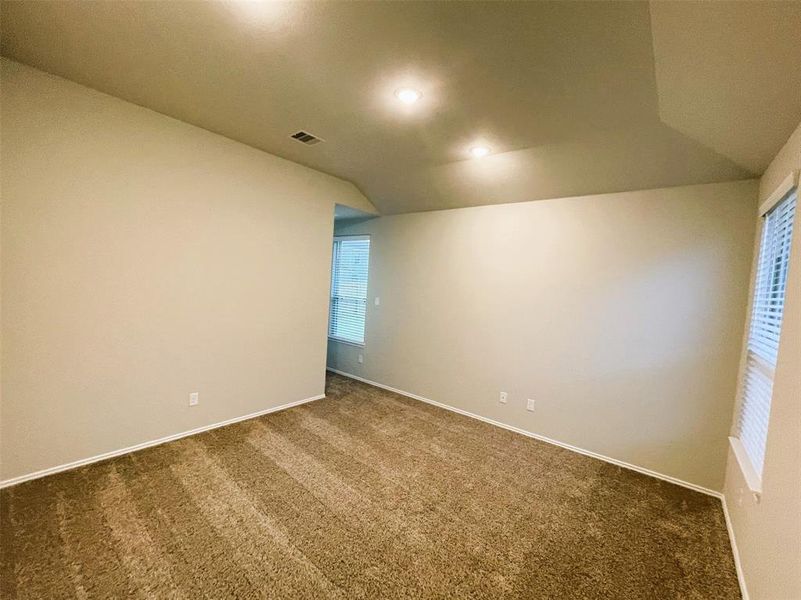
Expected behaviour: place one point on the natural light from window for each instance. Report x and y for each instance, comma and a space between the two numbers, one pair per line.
351, 258
763, 339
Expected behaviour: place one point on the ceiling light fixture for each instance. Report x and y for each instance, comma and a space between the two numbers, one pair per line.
479, 151
408, 95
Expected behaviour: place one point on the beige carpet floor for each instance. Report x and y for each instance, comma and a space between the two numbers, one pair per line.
365, 494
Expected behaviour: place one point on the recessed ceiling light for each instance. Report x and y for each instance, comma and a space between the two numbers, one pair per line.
408, 95
479, 151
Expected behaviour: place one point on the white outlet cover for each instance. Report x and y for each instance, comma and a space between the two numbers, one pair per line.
502, 398
194, 398
530, 404
361, 358
377, 301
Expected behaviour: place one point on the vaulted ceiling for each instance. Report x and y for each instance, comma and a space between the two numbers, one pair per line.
573, 98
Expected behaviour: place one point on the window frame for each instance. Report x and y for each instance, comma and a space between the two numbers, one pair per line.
341, 340
752, 476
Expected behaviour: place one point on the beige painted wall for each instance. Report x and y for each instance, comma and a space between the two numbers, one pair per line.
768, 531
621, 314
143, 259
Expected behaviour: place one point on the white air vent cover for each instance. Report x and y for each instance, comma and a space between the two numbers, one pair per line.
306, 138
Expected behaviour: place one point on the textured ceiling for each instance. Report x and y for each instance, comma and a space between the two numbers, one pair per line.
574, 98
730, 76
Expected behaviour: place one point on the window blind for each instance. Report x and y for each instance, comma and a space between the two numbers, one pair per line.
351, 259
765, 328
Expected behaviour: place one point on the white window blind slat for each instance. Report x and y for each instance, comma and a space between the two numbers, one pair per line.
764, 331
351, 258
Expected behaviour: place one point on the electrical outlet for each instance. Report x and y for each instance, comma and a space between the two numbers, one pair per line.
361, 358
502, 398
377, 301
194, 398
530, 405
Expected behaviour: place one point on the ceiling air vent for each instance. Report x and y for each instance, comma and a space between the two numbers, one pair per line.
306, 138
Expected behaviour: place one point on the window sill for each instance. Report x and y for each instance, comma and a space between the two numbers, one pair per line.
348, 342
752, 478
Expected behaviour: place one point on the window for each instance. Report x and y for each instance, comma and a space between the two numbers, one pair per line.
349, 289
763, 339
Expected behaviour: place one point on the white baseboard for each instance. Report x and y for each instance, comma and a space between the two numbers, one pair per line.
536, 436
143, 445
735, 552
